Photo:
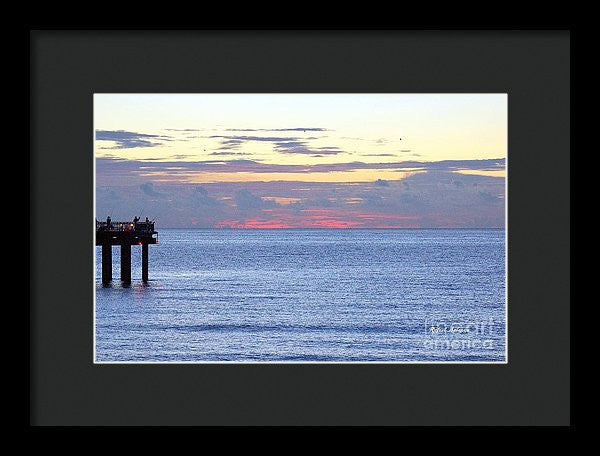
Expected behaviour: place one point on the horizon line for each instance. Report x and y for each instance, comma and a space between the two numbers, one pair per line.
333, 228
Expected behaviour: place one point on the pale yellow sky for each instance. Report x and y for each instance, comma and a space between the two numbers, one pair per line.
370, 128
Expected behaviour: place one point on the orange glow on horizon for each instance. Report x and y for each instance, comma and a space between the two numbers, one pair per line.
321, 218
206, 177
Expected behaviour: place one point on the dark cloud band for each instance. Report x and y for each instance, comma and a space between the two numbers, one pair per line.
109, 165
129, 139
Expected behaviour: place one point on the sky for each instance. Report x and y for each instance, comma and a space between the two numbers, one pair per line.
302, 160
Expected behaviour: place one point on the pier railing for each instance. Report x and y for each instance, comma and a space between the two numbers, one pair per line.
125, 226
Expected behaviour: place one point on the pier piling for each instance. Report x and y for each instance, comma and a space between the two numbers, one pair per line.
126, 263
144, 262
124, 234
106, 263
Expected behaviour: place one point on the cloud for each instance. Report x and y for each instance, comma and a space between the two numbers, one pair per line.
226, 152
318, 202
114, 168
379, 155
246, 200
487, 197
301, 147
242, 138
201, 191
428, 199
236, 141
284, 145
129, 139
200, 198
148, 189
107, 194
241, 161
280, 129
231, 144
408, 198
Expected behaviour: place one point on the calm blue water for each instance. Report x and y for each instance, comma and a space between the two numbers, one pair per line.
308, 295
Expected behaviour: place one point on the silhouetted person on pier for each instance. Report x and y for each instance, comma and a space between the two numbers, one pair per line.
108, 223
135, 220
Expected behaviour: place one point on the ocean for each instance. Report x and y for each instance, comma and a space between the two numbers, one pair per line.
302, 295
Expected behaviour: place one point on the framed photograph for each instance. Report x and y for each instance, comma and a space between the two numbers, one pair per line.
292, 228
300, 227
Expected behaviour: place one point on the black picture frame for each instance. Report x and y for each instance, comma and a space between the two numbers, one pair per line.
67, 67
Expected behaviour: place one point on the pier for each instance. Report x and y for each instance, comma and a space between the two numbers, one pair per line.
124, 234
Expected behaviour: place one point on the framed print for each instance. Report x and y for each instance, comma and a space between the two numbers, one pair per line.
300, 228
